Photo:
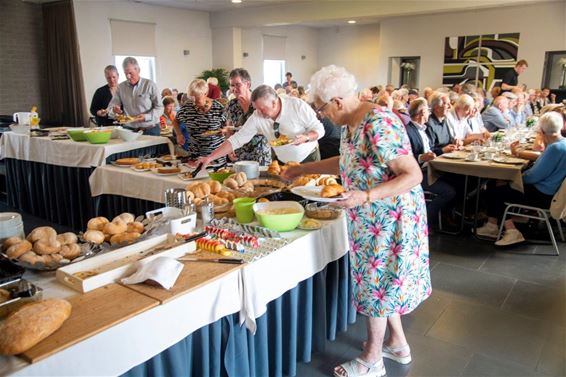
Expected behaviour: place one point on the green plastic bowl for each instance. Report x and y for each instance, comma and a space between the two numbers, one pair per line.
77, 135
98, 137
280, 223
220, 177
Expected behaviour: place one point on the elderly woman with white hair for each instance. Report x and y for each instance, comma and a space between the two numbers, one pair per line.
201, 116
386, 216
540, 183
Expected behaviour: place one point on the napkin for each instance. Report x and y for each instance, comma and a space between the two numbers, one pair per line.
162, 270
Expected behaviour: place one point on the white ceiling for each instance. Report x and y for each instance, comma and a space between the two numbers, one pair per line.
215, 5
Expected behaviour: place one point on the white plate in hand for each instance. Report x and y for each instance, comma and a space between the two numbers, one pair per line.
455, 155
313, 193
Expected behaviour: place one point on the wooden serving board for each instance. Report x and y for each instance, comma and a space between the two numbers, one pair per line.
92, 312
193, 276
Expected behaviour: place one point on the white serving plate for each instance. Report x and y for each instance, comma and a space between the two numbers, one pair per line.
117, 264
313, 193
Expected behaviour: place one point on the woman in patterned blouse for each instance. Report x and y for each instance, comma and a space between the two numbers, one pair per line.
238, 111
386, 215
202, 117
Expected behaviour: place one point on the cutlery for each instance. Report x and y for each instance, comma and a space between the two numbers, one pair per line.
214, 260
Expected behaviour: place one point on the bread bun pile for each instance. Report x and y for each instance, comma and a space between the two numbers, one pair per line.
197, 192
122, 229
43, 245
239, 182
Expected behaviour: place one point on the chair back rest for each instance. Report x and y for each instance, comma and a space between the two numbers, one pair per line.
558, 205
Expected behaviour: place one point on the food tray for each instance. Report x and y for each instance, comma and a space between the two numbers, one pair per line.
85, 250
112, 266
254, 230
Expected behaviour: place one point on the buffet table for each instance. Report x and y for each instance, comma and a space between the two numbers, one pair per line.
49, 179
291, 301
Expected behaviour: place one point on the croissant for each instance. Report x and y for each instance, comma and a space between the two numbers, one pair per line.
136, 226
325, 181
215, 187
70, 251
127, 237
19, 249
11, 242
231, 183
331, 191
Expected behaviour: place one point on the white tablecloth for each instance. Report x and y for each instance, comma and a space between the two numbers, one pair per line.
115, 180
247, 291
69, 152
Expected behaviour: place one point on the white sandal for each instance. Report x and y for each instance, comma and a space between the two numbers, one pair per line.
393, 354
374, 370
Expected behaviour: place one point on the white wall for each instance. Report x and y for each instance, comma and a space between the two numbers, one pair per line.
354, 47
176, 30
227, 48
541, 27
300, 40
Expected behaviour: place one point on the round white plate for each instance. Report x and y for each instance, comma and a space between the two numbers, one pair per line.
455, 155
121, 166
509, 160
313, 193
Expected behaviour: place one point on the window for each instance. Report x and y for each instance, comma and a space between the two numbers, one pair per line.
404, 70
146, 63
273, 72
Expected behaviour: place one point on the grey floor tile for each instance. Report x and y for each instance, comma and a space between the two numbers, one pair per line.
471, 285
482, 365
553, 356
431, 357
427, 313
539, 302
457, 251
502, 335
532, 268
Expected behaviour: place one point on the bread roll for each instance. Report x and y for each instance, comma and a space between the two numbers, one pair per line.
331, 191
30, 257
11, 242
19, 249
47, 246
136, 226
240, 177
97, 223
67, 238
94, 236
190, 195
43, 232
127, 237
125, 217
32, 323
70, 251
115, 227
215, 187
231, 183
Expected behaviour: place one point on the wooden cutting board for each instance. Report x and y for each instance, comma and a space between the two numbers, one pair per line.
92, 313
193, 276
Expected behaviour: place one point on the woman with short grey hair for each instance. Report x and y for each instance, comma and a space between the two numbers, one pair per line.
204, 120
386, 215
540, 183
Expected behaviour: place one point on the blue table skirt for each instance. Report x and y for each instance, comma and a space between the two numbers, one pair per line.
296, 324
59, 194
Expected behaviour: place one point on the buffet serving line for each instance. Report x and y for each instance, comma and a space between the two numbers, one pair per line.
47, 173
249, 298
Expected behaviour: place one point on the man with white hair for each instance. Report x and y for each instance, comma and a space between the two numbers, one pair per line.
497, 116
540, 183
276, 117
139, 98
457, 118
421, 145
437, 127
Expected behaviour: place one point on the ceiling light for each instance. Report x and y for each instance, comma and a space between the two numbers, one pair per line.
352, 21
236, 1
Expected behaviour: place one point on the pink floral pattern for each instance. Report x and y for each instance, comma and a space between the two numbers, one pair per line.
389, 237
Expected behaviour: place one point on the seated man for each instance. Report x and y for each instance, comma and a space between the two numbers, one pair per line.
421, 147
437, 127
540, 183
497, 116
458, 120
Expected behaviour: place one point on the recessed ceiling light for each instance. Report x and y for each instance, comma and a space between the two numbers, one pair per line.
236, 1
352, 21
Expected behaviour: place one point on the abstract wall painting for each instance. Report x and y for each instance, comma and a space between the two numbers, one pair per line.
485, 58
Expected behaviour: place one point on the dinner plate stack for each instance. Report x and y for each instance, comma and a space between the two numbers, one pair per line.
11, 225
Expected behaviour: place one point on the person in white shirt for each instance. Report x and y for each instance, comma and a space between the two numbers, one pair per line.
458, 120
275, 116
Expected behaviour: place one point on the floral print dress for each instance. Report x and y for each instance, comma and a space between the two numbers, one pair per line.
257, 149
389, 237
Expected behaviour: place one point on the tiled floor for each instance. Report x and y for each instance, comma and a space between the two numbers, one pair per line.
493, 312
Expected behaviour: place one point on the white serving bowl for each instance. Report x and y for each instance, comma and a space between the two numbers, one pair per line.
128, 135
251, 168
21, 129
